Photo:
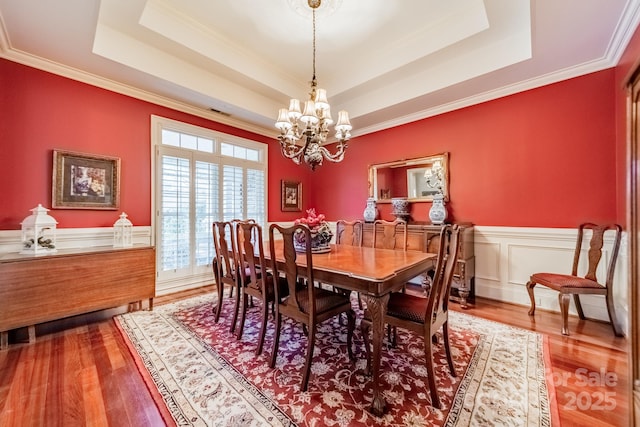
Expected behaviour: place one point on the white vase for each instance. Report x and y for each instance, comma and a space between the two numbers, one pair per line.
438, 212
370, 212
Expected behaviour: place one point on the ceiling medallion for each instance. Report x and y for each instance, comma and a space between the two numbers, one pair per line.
305, 8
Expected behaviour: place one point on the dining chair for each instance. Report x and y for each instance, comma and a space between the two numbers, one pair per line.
349, 232
305, 303
258, 283
224, 265
425, 315
235, 222
389, 231
576, 285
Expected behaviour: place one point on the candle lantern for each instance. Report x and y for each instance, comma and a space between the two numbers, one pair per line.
39, 232
122, 230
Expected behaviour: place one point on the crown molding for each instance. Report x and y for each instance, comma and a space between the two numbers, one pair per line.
111, 85
625, 30
53, 67
491, 95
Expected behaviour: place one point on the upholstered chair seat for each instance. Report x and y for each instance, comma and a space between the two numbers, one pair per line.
559, 282
326, 300
407, 307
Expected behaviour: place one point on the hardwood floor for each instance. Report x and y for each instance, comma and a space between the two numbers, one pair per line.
79, 371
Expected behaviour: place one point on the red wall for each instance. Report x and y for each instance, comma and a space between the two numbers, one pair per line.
548, 157
541, 158
40, 112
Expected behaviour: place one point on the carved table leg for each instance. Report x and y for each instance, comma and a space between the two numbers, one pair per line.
377, 306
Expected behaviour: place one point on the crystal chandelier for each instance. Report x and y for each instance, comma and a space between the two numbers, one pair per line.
303, 134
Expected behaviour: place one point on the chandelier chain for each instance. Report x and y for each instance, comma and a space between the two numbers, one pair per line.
314, 46
303, 132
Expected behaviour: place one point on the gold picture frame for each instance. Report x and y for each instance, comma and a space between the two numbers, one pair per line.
85, 181
291, 196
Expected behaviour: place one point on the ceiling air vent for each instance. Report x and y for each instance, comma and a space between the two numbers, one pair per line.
220, 112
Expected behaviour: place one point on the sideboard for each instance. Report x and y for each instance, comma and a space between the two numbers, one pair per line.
44, 288
425, 237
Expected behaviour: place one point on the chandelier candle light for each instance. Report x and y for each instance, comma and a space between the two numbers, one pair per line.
303, 133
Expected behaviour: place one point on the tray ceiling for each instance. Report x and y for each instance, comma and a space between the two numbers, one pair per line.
385, 62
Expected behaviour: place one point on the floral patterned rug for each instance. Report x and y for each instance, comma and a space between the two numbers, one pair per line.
206, 377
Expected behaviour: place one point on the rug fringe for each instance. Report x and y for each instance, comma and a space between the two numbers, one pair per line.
551, 388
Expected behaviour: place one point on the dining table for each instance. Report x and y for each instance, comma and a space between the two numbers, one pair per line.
374, 273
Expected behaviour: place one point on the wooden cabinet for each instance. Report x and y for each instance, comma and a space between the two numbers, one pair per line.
424, 237
40, 289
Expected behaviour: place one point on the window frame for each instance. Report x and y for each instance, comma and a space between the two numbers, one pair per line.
197, 274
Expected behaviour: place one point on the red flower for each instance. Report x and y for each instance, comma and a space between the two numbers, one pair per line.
312, 219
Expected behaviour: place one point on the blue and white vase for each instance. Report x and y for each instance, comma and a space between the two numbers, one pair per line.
320, 239
371, 211
438, 212
400, 208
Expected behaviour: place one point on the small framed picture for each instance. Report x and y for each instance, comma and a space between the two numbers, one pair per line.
85, 181
291, 196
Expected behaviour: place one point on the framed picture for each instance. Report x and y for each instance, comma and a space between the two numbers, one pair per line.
85, 181
291, 196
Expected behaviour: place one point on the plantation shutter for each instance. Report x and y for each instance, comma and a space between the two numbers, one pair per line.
202, 176
233, 196
176, 213
207, 209
256, 195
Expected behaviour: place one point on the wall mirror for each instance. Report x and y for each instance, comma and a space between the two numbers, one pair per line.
416, 179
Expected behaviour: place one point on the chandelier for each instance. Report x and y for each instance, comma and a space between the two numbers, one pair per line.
303, 134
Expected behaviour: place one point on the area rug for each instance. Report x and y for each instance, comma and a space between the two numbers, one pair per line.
201, 375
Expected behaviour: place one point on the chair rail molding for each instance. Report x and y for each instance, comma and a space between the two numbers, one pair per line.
76, 238
507, 256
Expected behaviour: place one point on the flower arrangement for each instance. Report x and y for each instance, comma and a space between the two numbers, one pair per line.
312, 220
320, 232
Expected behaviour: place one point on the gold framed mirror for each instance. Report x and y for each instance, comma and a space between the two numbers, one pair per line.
416, 179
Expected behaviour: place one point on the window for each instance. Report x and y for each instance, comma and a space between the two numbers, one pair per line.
201, 176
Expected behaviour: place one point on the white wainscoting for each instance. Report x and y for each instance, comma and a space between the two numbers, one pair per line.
507, 256
73, 238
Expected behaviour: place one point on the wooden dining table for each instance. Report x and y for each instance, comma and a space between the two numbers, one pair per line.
373, 272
